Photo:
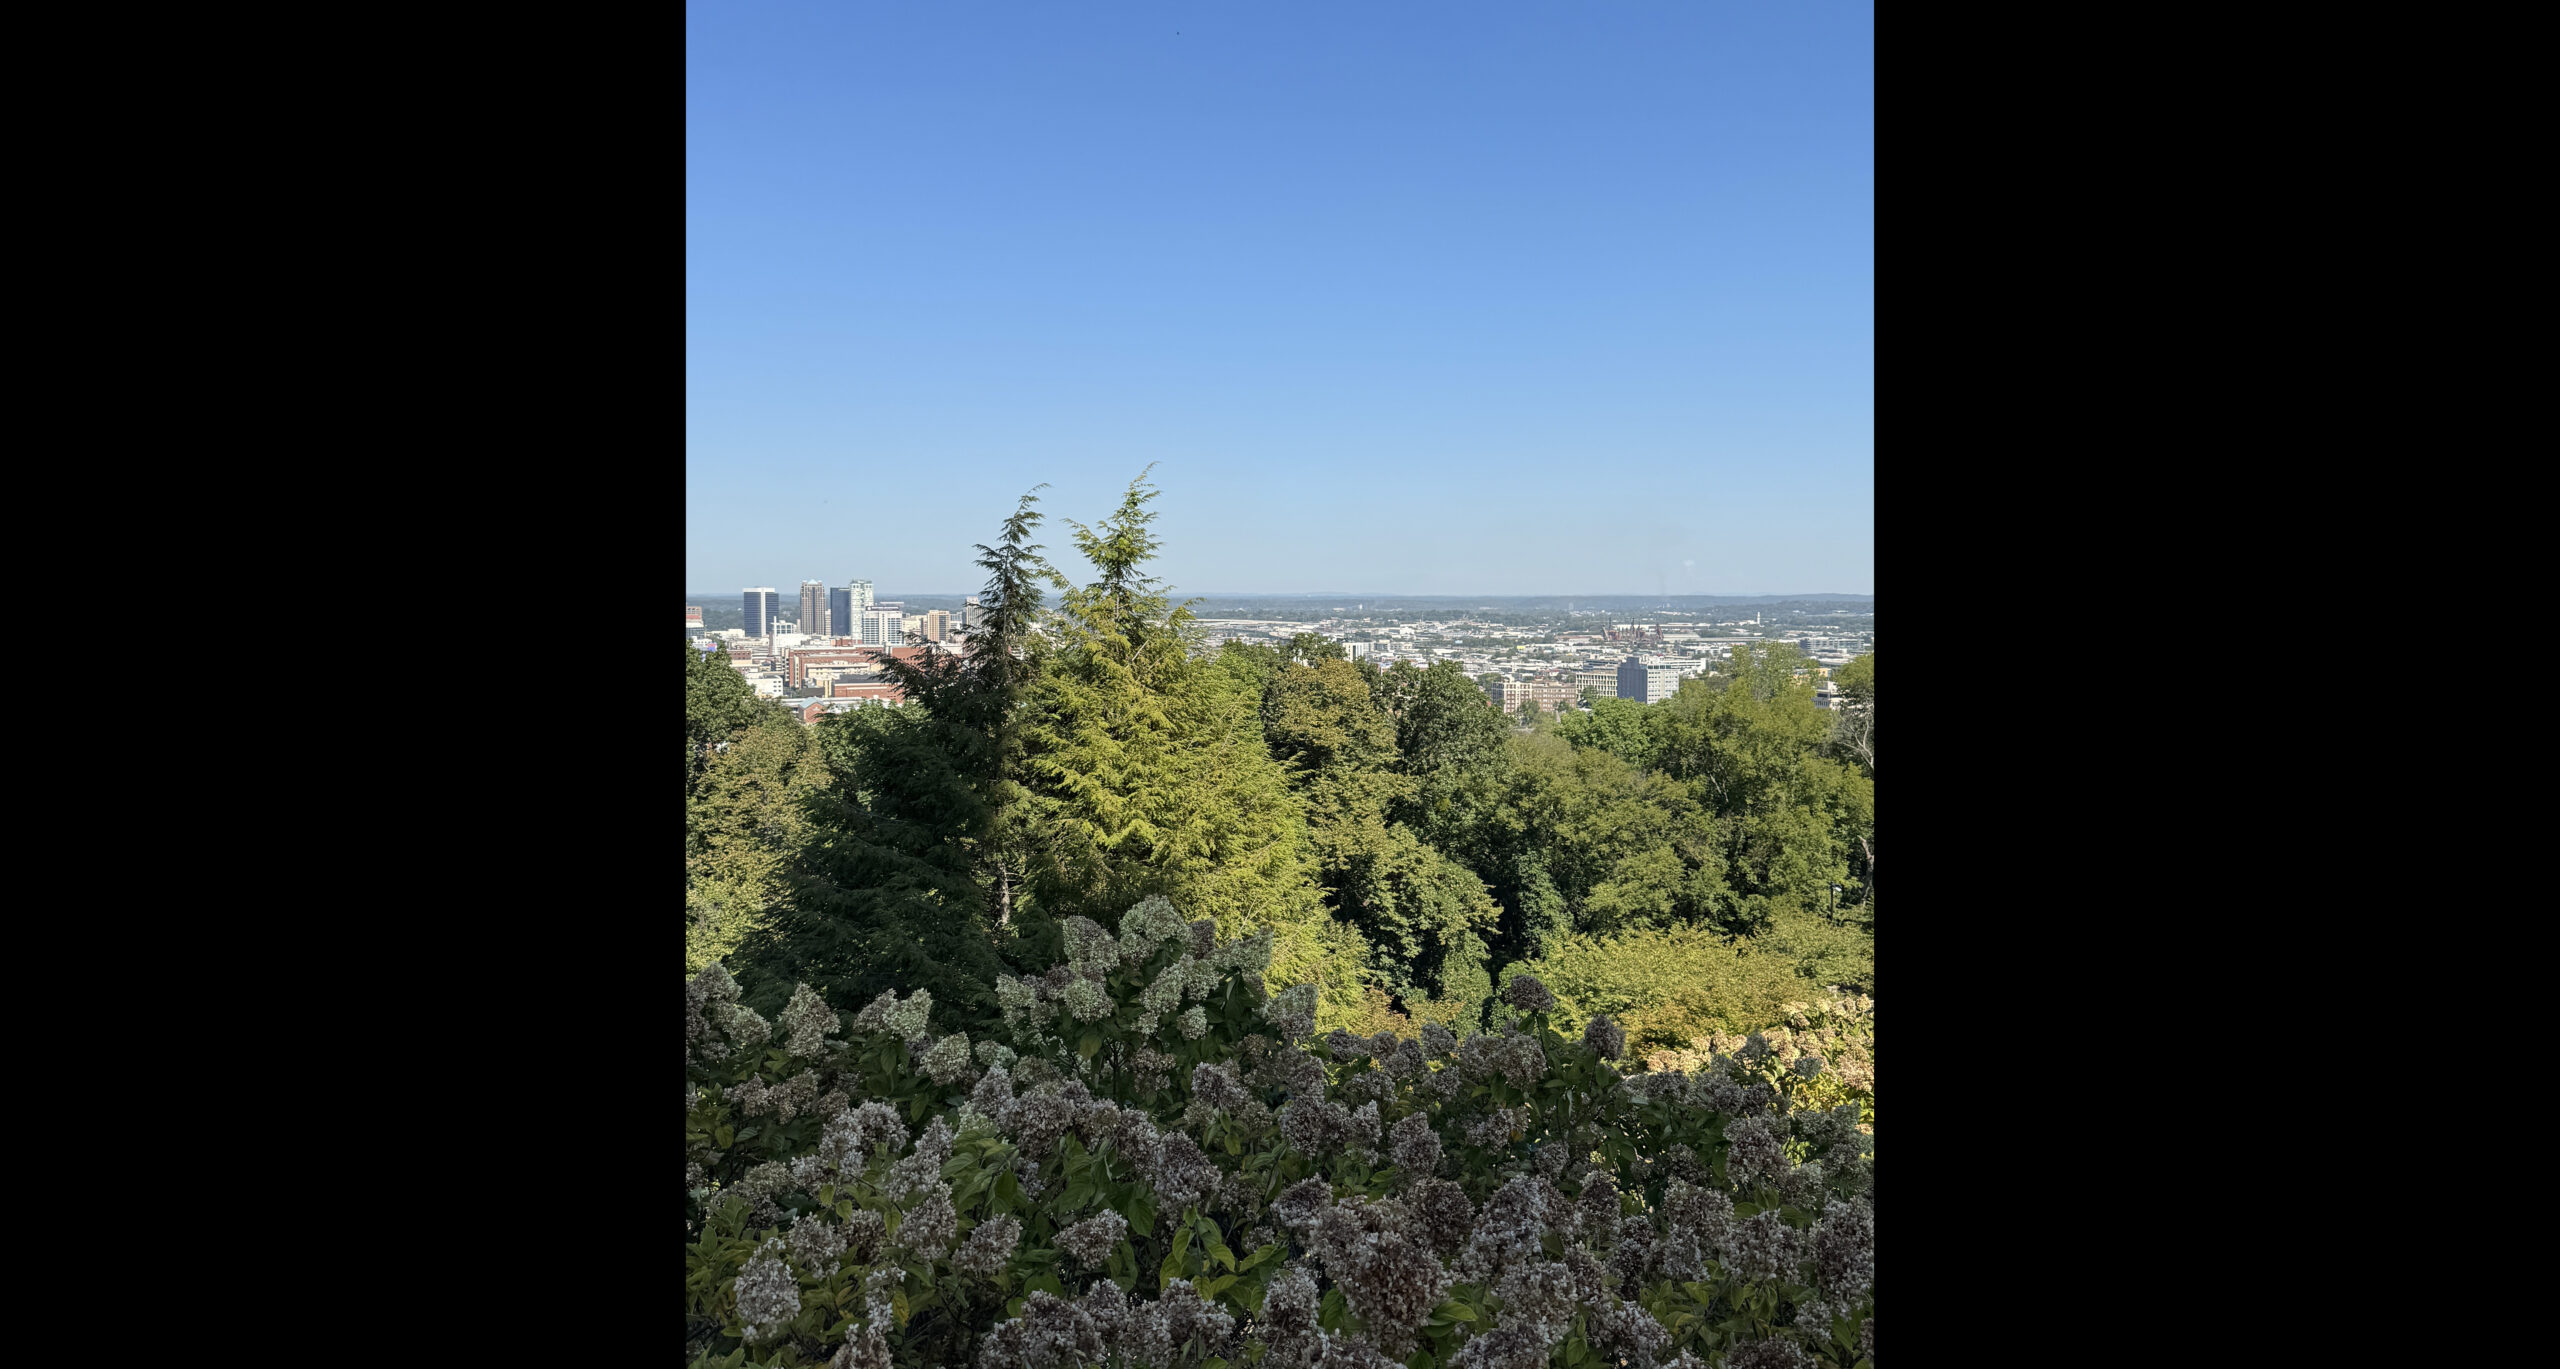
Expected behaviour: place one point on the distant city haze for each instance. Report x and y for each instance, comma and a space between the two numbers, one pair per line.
1413, 299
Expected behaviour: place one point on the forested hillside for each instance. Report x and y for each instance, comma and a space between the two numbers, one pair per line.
1405, 846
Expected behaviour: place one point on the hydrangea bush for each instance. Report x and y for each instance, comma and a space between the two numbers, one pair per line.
1159, 1166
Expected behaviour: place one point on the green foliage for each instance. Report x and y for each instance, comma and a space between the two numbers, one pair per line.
1615, 726
875, 1193
1667, 986
744, 821
1423, 915
1144, 770
718, 705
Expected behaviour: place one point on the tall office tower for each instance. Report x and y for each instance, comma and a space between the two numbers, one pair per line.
813, 607
937, 625
840, 621
884, 625
763, 606
969, 614
858, 592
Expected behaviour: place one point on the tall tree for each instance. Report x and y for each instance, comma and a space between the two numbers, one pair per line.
1423, 915
914, 847
1143, 768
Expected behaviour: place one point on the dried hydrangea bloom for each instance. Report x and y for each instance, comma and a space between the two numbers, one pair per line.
1706, 1213
1803, 1184
923, 1168
1414, 1147
1386, 1270
1164, 994
816, 1244
1550, 1157
1844, 1251
1292, 1071
1539, 1293
993, 1095
1194, 1024
1182, 1174
768, 1296
931, 1225
879, 1288
1051, 1333
1813, 1322
1217, 1087
1158, 1331
866, 1348
1438, 1042
1625, 1331
1528, 995
1288, 1320
1039, 1119
1867, 1337
1092, 1240
1509, 1345
1342, 1045
1301, 1203
1087, 1001
1408, 1062
907, 1020
707, 997
1600, 1205
1511, 1227
990, 1246
1605, 1037
1150, 1069
807, 1022
1151, 924
865, 1232
874, 1016
1764, 1248
1372, 1086
1108, 1308
1204, 937
1292, 1011
1767, 1354
948, 1062
1441, 1214
1443, 1084
1591, 1279
1017, 999
1758, 1157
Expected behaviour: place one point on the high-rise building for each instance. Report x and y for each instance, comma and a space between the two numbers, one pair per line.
813, 607
763, 606
1648, 684
937, 625
880, 625
969, 614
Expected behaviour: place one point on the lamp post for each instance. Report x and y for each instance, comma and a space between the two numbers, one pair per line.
1836, 891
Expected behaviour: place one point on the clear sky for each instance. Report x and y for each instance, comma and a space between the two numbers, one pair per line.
1402, 297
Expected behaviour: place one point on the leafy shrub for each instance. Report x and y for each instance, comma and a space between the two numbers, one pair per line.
867, 1193
1837, 1033
1668, 987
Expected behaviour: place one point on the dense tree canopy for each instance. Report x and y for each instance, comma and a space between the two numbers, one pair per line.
1403, 842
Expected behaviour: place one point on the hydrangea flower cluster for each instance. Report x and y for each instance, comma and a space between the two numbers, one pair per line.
1148, 1124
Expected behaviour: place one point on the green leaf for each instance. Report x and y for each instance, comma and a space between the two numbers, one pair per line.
1455, 1311
1075, 1197
1092, 1042
1142, 1216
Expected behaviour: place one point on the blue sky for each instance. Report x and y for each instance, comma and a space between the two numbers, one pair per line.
1485, 298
